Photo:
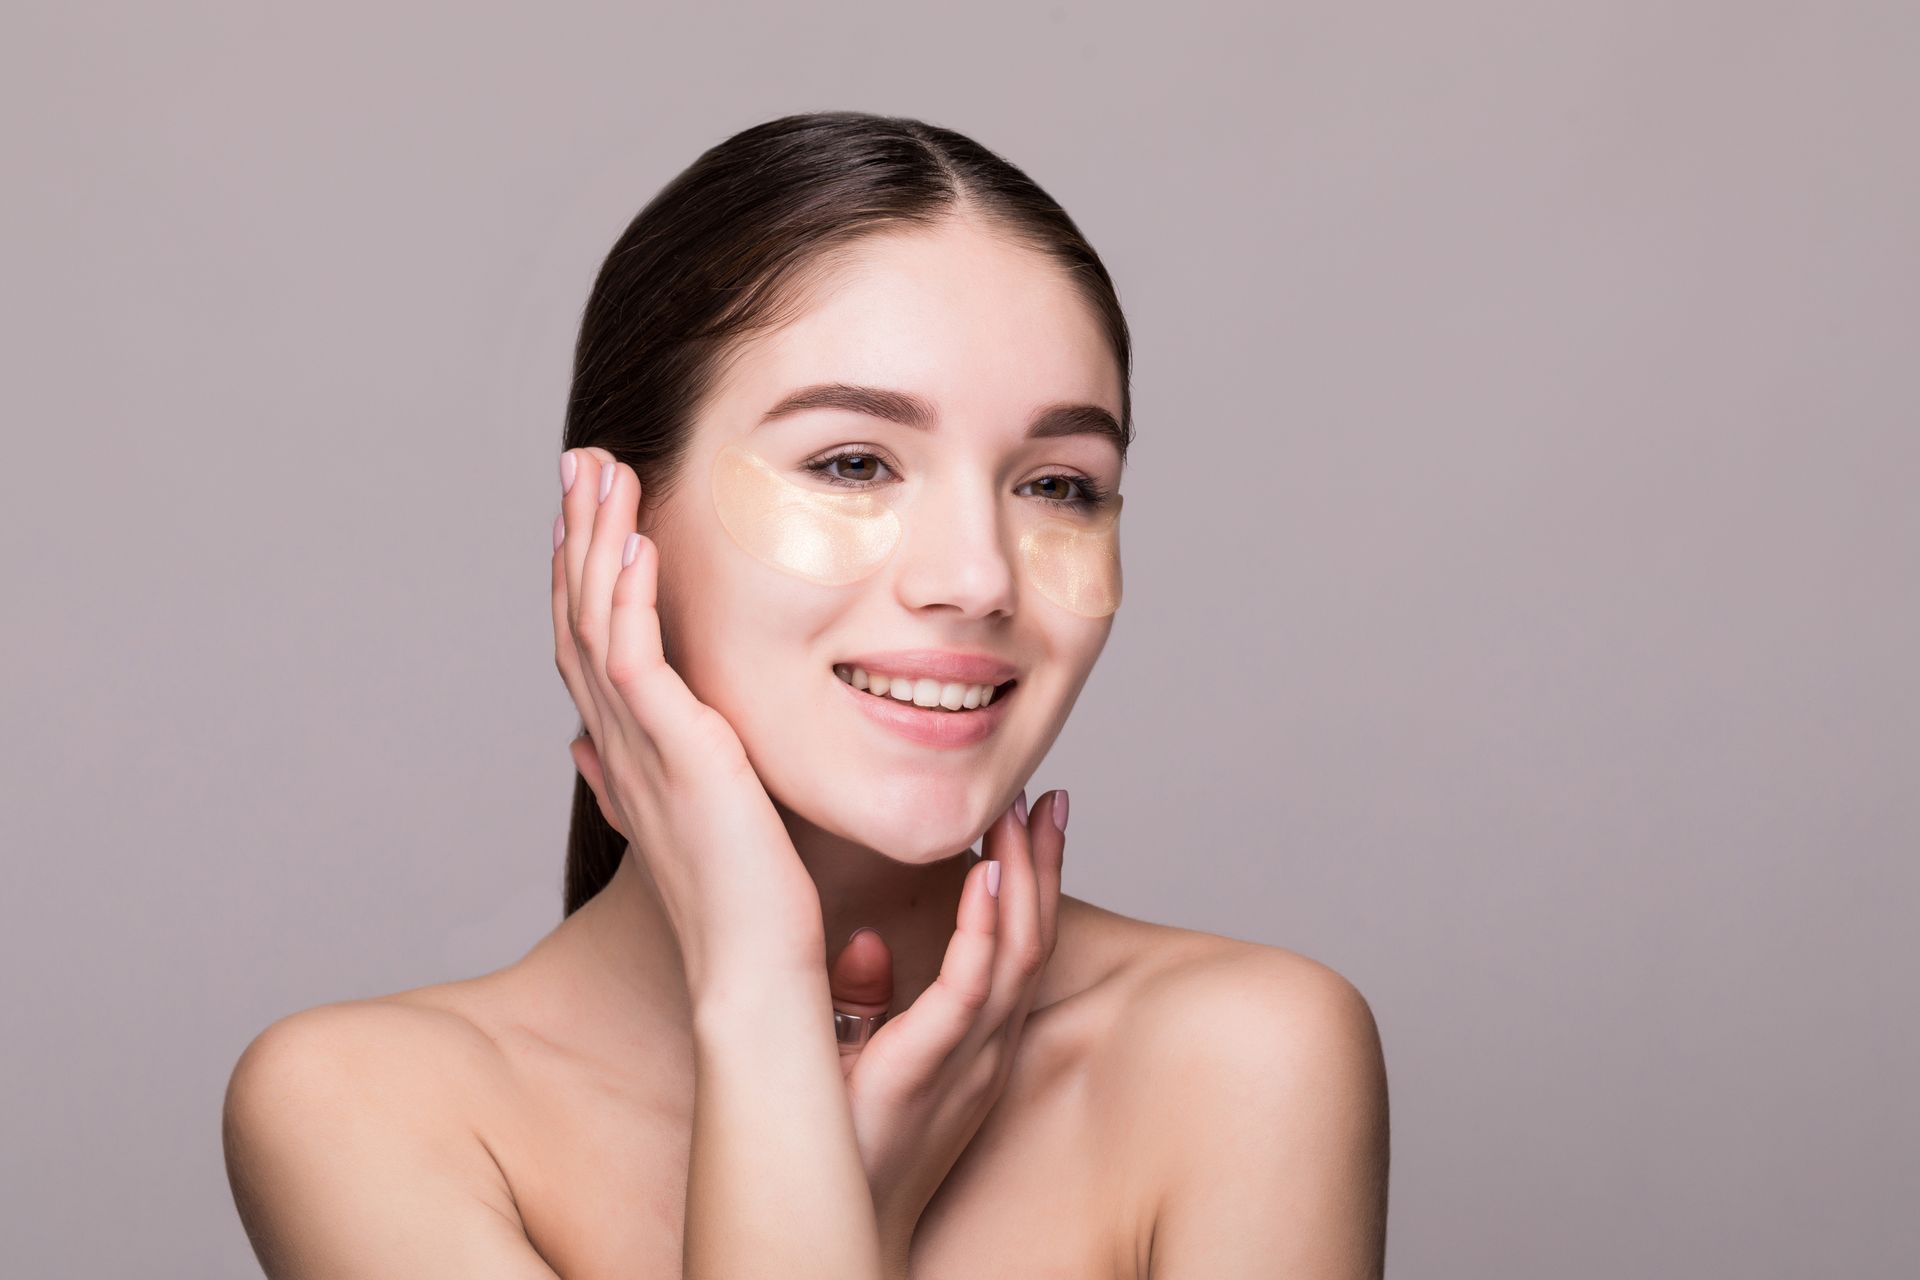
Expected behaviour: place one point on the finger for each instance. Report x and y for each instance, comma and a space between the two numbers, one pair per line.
615, 492
860, 981
918, 1039
577, 507
587, 760
1048, 833
635, 663
1020, 957
1047, 840
566, 657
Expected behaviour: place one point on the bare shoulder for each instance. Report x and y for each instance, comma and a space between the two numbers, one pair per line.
1254, 1022
1256, 1090
1233, 1004
366, 1052
1175, 981
351, 1123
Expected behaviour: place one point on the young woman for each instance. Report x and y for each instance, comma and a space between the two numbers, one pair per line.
837, 550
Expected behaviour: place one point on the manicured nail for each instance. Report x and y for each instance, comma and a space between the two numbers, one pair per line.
559, 530
1020, 807
993, 877
633, 545
568, 467
606, 481
1060, 811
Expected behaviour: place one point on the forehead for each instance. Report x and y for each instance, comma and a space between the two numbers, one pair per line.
987, 330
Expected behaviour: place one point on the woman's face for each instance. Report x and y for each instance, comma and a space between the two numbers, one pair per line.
961, 536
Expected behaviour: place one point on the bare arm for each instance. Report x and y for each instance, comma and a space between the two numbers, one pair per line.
775, 1185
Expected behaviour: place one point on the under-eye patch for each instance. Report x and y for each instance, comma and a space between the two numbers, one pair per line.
833, 538
1074, 563
825, 537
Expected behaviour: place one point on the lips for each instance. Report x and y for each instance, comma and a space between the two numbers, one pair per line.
948, 666
931, 726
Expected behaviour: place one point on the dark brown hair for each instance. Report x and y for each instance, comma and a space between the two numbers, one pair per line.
727, 250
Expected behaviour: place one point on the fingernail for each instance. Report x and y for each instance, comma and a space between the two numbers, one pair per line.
568, 467
606, 480
633, 545
559, 530
993, 877
1020, 807
857, 932
1060, 811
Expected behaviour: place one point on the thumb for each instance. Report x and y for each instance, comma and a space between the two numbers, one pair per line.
586, 759
860, 981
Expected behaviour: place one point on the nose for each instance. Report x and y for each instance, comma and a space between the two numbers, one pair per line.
953, 554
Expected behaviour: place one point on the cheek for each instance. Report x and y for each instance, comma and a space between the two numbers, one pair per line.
1075, 565
828, 539
831, 539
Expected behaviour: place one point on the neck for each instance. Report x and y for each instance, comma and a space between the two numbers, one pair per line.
911, 905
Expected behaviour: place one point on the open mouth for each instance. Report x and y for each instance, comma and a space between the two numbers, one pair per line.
928, 695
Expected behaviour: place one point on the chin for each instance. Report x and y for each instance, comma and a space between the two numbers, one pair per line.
893, 828
917, 843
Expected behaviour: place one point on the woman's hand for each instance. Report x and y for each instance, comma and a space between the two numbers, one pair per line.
923, 1083
669, 772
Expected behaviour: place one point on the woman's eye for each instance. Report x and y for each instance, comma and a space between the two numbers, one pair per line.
1059, 488
859, 467
855, 469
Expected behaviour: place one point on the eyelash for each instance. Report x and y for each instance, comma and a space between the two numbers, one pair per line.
1095, 493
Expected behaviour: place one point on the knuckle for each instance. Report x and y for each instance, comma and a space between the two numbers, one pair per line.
986, 1072
623, 673
586, 636
970, 996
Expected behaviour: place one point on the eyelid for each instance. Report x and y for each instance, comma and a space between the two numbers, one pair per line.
847, 451
822, 464
1096, 494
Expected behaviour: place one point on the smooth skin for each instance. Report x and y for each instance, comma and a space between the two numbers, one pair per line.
772, 1189
653, 1090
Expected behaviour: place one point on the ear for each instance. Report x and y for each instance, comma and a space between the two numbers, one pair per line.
587, 760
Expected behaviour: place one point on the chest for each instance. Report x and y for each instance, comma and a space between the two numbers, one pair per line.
598, 1168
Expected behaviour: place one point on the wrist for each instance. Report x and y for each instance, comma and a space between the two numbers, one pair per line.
760, 1002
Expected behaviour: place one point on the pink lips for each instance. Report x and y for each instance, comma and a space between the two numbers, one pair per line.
949, 666
931, 726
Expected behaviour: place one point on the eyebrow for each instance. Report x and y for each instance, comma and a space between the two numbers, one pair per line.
912, 411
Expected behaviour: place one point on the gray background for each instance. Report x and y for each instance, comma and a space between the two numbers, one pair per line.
1521, 558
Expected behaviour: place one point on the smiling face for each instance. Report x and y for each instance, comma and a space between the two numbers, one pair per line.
780, 562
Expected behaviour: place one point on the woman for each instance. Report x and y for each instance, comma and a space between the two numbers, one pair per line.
837, 550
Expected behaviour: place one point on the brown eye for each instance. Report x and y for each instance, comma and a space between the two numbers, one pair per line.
1093, 495
862, 464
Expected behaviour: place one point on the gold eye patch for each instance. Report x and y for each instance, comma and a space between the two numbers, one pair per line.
1074, 564
835, 538
827, 538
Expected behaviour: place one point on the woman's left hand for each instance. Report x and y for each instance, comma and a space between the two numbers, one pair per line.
924, 1082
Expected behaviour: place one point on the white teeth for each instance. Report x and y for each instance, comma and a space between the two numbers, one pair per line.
951, 695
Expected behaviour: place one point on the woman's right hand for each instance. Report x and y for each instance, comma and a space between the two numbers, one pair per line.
669, 772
